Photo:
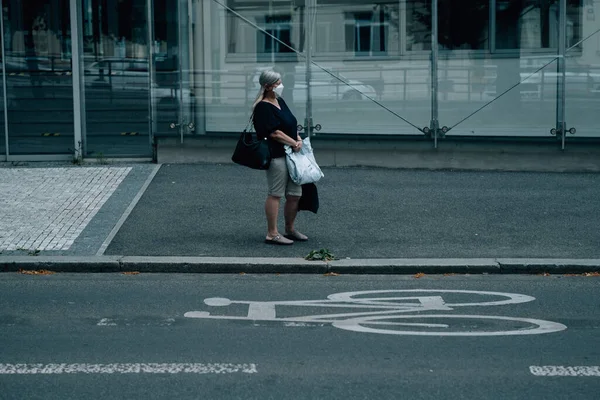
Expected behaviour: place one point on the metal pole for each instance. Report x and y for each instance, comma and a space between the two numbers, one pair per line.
4, 85
206, 68
201, 35
402, 10
183, 121
434, 71
492, 33
77, 80
190, 75
152, 125
561, 124
308, 49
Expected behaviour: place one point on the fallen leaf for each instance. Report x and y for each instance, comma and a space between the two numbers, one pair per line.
320, 255
36, 272
331, 274
419, 275
130, 273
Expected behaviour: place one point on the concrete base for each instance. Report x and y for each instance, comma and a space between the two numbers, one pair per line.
543, 155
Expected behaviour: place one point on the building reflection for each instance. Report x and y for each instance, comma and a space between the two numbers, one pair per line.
190, 67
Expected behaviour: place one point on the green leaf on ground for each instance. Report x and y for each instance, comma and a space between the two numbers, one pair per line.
320, 255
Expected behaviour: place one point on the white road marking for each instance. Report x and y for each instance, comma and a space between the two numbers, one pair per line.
558, 370
391, 309
262, 311
106, 322
127, 322
536, 326
350, 297
303, 324
136, 368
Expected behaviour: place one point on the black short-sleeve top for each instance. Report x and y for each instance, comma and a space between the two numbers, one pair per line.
268, 118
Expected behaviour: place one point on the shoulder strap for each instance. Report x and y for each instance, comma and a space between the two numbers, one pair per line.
249, 124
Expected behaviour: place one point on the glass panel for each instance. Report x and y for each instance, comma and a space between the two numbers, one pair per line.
418, 24
511, 93
235, 50
372, 51
116, 77
583, 68
2, 115
530, 24
39, 83
463, 25
173, 81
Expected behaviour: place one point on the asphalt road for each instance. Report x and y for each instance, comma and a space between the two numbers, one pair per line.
91, 322
217, 210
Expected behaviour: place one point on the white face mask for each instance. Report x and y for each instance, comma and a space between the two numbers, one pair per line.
278, 90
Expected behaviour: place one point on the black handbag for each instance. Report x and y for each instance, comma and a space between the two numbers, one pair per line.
250, 151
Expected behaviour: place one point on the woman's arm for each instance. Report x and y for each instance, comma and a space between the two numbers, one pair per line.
281, 137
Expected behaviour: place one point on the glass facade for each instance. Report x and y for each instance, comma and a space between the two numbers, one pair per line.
116, 77
109, 76
38, 96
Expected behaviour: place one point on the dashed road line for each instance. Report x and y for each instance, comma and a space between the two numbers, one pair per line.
134, 368
138, 322
559, 370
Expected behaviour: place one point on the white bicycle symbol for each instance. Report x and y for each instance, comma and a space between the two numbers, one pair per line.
386, 313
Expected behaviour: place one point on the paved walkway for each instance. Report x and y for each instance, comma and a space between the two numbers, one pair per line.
211, 216
48, 208
217, 210
61, 210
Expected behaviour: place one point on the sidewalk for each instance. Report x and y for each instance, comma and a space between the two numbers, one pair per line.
210, 218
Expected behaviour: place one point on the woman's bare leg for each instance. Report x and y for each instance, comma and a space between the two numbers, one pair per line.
272, 210
290, 211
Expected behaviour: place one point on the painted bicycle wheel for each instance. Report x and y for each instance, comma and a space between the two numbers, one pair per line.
449, 325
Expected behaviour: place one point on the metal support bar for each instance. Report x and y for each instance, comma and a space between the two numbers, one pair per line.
180, 35
402, 9
310, 5
561, 125
190, 43
561, 103
79, 121
152, 125
201, 55
492, 27
4, 85
434, 126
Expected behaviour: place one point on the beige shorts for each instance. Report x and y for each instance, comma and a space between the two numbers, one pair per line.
279, 180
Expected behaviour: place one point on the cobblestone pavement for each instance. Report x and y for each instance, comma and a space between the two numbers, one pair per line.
48, 208
64, 209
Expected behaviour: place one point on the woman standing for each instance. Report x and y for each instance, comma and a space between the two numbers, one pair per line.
274, 120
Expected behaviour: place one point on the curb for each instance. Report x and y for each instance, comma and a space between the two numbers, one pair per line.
230, 265
415, 265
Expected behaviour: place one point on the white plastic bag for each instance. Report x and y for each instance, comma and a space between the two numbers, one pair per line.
302, 166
